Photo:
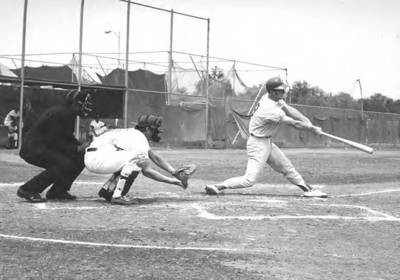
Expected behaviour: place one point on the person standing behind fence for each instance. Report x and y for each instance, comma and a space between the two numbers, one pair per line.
264, 124
96, 128
51, 144
11, 122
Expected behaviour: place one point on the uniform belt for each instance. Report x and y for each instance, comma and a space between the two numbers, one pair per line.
91, 149
266, 137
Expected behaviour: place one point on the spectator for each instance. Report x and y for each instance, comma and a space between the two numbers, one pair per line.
96, 128
12, 123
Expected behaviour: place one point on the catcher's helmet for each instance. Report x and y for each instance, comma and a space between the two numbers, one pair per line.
153, 122
275, 83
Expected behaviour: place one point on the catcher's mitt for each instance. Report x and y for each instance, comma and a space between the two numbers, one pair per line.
183, 174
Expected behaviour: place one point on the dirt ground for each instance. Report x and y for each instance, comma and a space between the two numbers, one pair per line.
265, 232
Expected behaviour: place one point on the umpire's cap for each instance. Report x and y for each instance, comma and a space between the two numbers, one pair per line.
275, 83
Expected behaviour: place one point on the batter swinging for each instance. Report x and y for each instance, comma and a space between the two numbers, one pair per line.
272, 111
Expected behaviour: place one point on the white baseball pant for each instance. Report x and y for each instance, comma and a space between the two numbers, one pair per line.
106, 160
259, 152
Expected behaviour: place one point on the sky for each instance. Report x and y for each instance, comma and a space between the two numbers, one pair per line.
328, 43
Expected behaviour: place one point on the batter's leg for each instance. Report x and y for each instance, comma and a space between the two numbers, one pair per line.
280, 163
258, 150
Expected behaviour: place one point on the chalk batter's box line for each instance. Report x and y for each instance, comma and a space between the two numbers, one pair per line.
131, 246
202, 212
375, 216
15, 184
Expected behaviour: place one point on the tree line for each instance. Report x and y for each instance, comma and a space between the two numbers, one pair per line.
302, 92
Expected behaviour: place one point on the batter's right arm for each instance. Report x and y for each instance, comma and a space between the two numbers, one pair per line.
294, 113
301, 125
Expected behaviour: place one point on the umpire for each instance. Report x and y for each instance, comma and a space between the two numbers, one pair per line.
50, 144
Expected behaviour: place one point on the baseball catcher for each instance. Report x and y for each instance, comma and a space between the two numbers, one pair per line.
125, 153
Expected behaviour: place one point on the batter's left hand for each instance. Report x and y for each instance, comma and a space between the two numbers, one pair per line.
316, 130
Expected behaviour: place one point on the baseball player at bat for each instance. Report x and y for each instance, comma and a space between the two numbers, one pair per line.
126, 152
272, 111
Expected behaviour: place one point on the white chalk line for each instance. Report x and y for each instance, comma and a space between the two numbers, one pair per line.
17, 184
368, 193
45, 206
128, 246
203, 213
378, 215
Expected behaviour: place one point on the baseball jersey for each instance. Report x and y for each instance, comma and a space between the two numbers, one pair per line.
11, 116
266, 119
125, 139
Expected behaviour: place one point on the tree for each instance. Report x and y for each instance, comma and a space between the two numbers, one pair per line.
343, 100
218, 85
377, 102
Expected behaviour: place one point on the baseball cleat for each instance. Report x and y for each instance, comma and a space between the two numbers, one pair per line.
212, 190
107, 195
123, 200
315, 193
50, 195
31, 197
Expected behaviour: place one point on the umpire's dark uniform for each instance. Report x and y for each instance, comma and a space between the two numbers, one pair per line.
51, 144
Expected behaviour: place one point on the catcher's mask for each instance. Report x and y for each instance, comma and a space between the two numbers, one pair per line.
153, 123
81, 98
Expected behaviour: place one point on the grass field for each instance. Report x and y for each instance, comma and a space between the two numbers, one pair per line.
265, 232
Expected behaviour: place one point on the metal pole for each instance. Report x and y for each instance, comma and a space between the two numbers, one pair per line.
287, 83
361, 100
207, 69
73, 67
171, 37
119, 49
234, 77
128, 18
21, 94
77, 129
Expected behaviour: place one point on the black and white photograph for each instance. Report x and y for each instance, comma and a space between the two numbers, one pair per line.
206, 140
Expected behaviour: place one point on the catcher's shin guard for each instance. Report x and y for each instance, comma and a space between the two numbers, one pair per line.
129, 181
111, 183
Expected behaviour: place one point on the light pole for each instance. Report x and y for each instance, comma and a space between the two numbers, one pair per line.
118, 35
361, 99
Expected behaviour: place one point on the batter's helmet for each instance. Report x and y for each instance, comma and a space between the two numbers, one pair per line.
275, 83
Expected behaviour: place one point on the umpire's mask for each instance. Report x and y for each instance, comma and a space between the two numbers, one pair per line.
82, 99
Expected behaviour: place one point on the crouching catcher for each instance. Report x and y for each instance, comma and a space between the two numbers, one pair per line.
125, 153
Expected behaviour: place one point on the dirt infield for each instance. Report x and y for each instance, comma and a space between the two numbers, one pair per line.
265, 232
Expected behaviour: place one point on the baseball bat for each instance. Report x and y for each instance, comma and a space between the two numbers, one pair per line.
356, 145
